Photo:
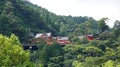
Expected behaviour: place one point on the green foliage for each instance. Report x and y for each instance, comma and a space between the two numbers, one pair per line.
12, 54
116, 28
77, 64
96, 53
109, 63
102, 25
49, 55
93, 51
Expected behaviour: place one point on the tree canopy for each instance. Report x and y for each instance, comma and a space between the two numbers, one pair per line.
12, 53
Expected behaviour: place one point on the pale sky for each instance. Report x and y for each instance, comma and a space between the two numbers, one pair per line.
92, 8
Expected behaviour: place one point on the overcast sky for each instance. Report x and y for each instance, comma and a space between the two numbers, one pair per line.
92, 8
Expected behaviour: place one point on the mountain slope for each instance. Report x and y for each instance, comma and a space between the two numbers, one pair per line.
22, 18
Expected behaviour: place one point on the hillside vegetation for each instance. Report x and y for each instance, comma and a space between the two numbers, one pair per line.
21, 16
24, 19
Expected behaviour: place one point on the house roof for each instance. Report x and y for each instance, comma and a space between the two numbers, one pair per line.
48, 34
54, 37
81, 37
90, 35
40, 34
63, 38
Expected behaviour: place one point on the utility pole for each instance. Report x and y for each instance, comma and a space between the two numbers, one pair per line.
30, 47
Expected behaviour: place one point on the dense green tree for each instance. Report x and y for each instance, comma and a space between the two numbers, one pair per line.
116, 28
117, 24
49, 55
4, 25
93, 51
12, 54
77, 64
109, 63
102, 25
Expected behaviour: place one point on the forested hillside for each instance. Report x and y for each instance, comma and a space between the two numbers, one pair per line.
24, 19
21, 16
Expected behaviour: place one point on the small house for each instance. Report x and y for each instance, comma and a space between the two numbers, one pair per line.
90, 37
63, 40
